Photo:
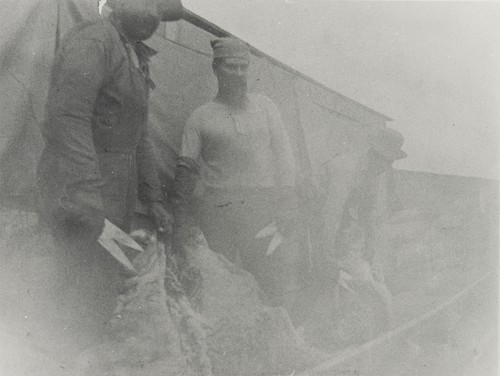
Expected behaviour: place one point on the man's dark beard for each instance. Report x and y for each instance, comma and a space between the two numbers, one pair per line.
233, 91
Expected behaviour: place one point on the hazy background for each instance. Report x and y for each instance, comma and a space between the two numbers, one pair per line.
431, 66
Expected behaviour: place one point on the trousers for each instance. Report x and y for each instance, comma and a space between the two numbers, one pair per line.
231, 220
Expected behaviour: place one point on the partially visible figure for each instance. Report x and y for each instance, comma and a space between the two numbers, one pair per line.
366, 208
349, 260
373, 198
238, 145
98, 157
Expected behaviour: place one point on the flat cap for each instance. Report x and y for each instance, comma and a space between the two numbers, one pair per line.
230, 47
168, 10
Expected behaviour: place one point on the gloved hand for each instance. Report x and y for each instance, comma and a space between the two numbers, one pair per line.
162, 218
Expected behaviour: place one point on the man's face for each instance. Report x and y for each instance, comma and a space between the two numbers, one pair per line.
139, 19
232, 73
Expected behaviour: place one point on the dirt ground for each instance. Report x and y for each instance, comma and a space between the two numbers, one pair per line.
224, 327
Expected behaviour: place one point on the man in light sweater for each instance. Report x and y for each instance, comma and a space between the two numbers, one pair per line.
238, 146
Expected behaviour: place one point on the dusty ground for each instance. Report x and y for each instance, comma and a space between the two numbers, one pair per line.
227, 327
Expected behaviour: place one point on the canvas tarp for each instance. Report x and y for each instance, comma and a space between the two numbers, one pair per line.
30, 33
317, 119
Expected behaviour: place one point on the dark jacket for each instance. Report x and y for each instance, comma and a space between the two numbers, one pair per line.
98, 156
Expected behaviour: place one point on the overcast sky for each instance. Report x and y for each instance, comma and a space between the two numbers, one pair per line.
434, 67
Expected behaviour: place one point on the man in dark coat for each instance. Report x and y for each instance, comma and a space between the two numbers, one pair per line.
98, 156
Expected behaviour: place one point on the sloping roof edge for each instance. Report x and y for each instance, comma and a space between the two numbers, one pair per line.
208, 26
448, 175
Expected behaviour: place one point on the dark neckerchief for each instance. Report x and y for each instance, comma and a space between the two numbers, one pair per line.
144, 54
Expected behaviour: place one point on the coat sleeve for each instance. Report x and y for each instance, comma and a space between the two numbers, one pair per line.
187, 170
191, 139
148, 181
78, 74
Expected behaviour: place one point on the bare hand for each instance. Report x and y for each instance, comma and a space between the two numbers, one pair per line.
163, 219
